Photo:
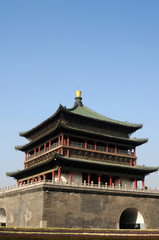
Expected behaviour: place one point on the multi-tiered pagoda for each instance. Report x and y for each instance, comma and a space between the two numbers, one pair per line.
80, 145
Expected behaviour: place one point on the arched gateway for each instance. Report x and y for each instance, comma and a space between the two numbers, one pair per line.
131, 218
2, 217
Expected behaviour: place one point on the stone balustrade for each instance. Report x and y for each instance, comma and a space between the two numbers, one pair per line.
76, 184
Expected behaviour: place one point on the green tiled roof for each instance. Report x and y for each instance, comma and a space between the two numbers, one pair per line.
135, 141
87, 112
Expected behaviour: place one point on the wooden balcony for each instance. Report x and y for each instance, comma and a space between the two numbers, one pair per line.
79, 150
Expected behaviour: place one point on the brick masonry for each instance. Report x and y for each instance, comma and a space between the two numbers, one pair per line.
58, 206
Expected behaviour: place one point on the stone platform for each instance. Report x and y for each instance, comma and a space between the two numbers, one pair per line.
46, 204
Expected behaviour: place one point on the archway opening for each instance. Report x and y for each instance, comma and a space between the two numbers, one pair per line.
131, 218
2, 217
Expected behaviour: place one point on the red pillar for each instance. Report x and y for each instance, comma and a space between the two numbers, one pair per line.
86, 144
59, 175
38, 178
95, 146
70, 176
61, 151
143, 183
107, 148
39, 151
110, 181
44, 147
68, 141
21, 183
44, 176
49, 145
68, 153
53, 174
119, 180
88, 178
59, 140
130, 162
18, 184
25, 156
115, 149
99, 179
135, 162
135, 184
130, 152
62, 139
34, 152
33, 179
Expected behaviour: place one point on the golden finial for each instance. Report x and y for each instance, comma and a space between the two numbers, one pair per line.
78, 94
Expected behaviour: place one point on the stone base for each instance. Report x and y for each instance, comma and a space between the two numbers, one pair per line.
47, 205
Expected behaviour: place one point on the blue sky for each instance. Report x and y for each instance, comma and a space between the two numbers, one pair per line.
107, 49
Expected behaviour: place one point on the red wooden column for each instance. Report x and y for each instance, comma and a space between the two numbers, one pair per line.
130, 152
44, 147
39, 151
34, 152
17, 183
115, 149
38, 178
59, 139
143, 183
110, 181
130, 162
25, 157
107, 148
85, 144
33, 179
49, 145
61, 151
95, 146
68, 143
53, 175
119, 180
88, 178
70, 176
62, 139
62, 143
135, 162
59, 175
135, 184
59, 143
99, 179
21, 183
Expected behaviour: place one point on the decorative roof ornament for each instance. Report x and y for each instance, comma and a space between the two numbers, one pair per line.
78, 98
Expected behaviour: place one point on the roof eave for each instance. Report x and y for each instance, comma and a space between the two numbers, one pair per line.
26, 133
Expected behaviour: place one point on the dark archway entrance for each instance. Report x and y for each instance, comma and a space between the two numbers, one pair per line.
131, 218
2, 217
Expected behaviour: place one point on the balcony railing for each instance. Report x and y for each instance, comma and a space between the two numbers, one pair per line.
76, 184
46, 150
80, 145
